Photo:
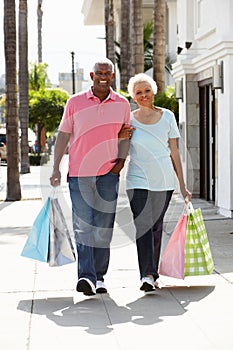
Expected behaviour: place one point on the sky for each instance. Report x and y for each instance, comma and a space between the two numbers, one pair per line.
63, 31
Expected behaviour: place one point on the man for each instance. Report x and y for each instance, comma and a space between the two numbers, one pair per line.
90, 125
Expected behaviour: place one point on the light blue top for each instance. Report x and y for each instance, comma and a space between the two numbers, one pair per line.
150, 165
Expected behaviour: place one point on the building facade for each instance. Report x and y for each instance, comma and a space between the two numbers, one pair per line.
203, 72
199, 34
66, 80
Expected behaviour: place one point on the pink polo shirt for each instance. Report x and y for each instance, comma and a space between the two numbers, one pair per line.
94, 128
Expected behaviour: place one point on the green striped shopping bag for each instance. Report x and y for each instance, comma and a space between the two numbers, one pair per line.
198, 257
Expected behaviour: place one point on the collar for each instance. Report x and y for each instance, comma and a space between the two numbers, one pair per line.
111, 95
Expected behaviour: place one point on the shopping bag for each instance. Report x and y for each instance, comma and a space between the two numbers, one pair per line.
172, 261
198, 257
36, 246
61, 250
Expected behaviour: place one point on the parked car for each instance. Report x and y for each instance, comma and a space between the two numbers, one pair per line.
3, 147
3, 151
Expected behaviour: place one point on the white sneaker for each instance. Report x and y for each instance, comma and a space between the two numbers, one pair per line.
148, 284
101, 287
86, 286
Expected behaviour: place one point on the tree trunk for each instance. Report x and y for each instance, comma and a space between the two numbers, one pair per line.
23, 85
159, 45
12, 134
106, 17
125, 44
110, 33
131, 33
138, 37
39, 23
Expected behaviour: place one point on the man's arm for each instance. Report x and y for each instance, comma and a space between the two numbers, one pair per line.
123, 149
59, 150
124, 137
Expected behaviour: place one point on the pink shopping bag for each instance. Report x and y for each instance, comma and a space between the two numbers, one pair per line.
173, 257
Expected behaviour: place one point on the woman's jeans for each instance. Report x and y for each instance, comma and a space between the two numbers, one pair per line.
148, 208
94, 202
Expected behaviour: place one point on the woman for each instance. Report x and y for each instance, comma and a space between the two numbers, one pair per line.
150, 179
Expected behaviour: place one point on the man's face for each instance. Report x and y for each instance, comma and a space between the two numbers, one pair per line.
102, 78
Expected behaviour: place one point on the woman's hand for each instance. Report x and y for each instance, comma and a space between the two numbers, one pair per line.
125, 133
186, 194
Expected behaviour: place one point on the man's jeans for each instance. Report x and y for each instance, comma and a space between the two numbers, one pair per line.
94, 202
148, 208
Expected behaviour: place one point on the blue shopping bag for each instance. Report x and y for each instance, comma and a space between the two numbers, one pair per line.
37, 244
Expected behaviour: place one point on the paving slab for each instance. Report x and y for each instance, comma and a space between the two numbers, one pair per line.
40, 308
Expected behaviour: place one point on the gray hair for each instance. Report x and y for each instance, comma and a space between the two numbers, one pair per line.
141, 78
106, 61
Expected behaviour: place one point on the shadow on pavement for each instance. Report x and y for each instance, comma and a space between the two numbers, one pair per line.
168, 301
98, 314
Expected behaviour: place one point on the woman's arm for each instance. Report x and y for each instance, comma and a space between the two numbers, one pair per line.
175, 156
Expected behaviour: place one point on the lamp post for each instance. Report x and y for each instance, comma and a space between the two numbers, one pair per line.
73, 73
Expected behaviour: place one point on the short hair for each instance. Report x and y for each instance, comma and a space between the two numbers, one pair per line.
104, 60
141, 78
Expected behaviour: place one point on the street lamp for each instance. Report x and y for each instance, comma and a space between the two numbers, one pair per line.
73, 73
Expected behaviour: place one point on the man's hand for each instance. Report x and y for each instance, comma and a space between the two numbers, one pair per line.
118, 166
55, 178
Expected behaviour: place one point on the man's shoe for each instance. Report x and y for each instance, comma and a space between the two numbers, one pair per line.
101, 287
86, 286
148, 284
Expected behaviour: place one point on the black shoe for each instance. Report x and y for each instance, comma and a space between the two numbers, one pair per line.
147, 284
101, 287
85, 286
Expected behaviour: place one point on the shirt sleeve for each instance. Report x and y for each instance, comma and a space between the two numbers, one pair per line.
174, 131
127, 114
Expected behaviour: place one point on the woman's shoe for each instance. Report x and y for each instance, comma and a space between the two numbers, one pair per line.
148, 284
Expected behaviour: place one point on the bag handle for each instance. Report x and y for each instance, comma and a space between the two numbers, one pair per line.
189, 208
53, 192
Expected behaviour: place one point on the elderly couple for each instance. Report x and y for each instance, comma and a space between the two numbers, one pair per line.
100, 130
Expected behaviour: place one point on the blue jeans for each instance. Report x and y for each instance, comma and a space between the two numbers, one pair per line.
148, 208
94, 202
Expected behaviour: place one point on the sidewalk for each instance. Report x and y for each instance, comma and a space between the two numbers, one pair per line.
41, 310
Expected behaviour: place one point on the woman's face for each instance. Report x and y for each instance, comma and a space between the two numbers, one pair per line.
143, 94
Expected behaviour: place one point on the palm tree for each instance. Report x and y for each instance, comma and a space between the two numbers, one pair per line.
159, 45
23, 85
39, 27
125, 44
137, 47
148, 46
110, 32
106, 17
13, 184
